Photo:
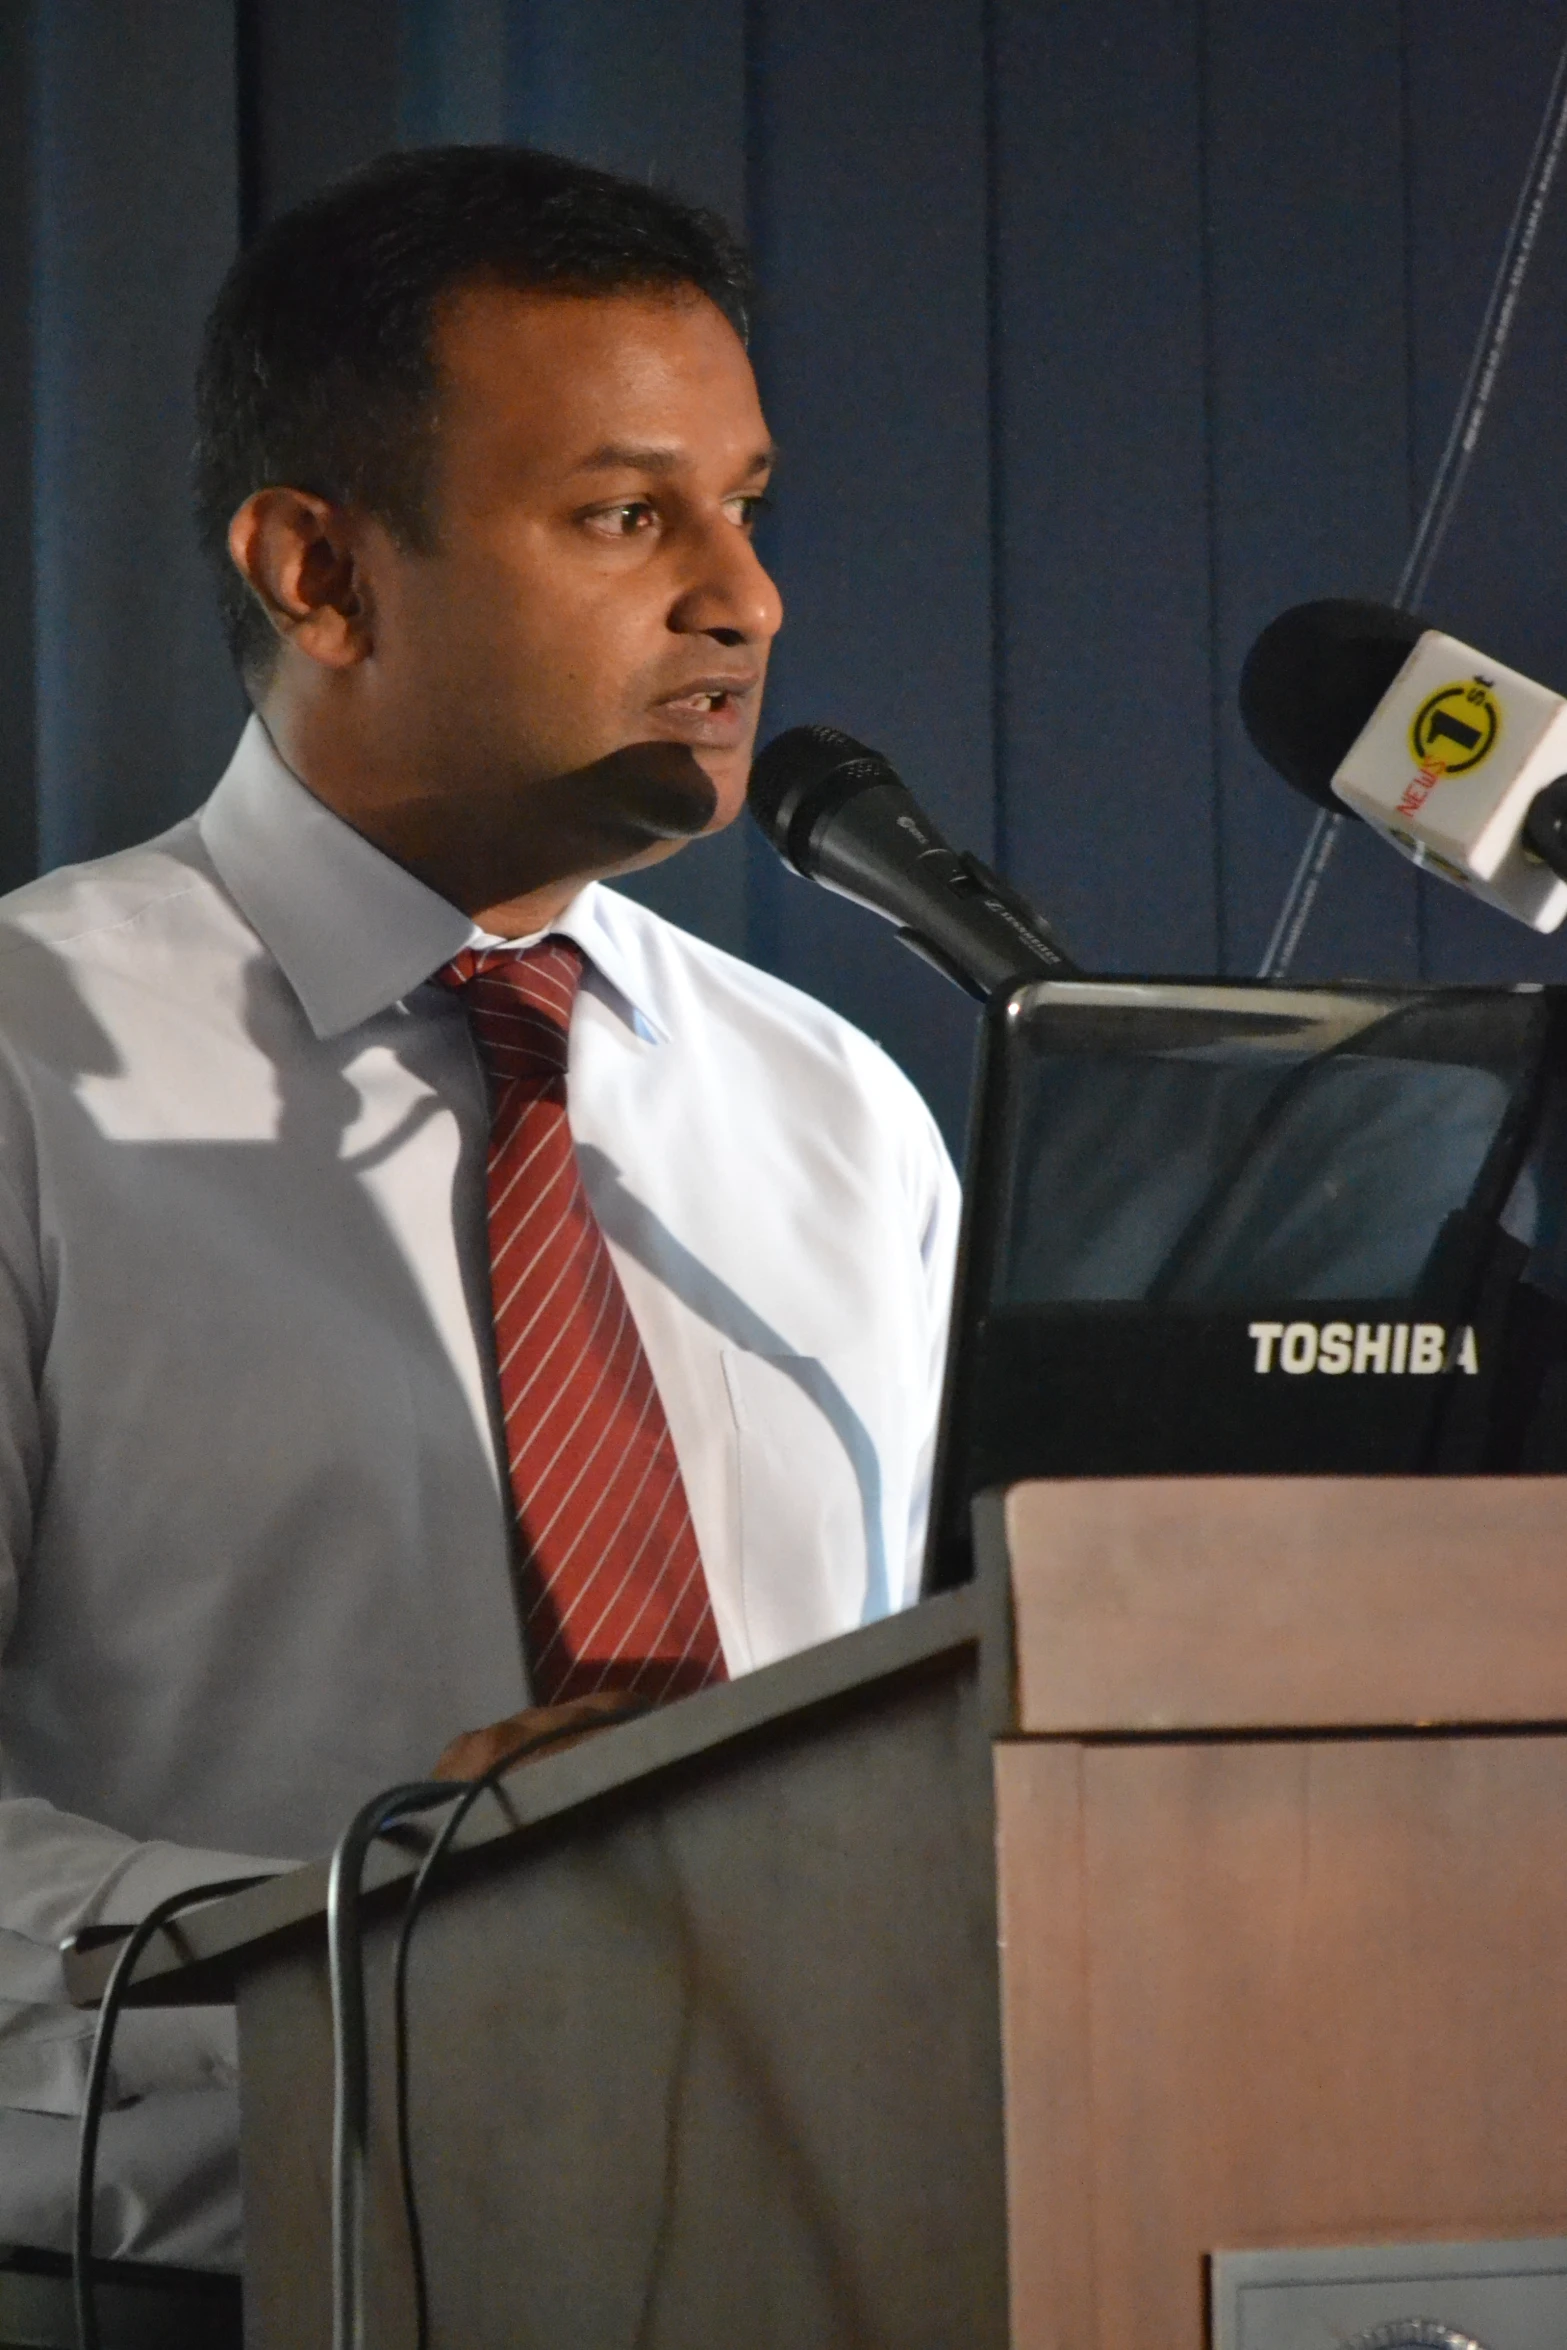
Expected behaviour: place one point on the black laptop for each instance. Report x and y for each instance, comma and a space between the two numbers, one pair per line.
1216, 1227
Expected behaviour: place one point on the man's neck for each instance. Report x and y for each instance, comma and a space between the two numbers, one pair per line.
458, 844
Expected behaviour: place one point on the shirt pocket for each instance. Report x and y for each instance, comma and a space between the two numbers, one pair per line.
813, 1498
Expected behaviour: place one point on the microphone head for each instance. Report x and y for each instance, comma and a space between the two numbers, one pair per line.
803, 774
1312, 680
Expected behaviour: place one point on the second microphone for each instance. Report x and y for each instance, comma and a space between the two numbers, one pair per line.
839, 814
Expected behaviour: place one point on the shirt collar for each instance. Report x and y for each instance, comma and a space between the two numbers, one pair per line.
353, 931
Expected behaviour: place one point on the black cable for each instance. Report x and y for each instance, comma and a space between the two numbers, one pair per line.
115, 1991
468, 1795
351, 2070
351, 2099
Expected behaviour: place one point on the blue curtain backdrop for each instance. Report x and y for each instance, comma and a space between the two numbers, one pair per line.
1094, 333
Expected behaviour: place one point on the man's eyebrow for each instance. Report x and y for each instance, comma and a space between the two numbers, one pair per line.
626, 457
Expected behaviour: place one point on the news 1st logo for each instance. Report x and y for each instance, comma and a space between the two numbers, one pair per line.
1392, 1350
1454, 729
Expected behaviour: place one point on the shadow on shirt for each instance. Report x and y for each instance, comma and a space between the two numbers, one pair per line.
249, 1503
648, 1240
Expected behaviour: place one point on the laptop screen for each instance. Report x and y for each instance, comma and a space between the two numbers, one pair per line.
1310, 1147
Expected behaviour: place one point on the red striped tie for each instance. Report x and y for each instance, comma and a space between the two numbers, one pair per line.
614, 1593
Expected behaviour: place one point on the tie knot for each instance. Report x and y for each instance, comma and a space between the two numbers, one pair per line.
519, 1002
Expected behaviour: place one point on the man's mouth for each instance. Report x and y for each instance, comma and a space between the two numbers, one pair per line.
712, 710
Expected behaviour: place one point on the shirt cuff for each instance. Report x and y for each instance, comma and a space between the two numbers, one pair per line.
46, 2046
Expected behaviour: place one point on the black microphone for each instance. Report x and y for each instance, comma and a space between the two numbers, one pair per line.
1458, 762
1313, 680
838, 814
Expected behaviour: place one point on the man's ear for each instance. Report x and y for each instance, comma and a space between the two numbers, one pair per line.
303, 559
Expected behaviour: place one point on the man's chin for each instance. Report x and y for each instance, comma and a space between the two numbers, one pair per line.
729, 773
631, 806
651, 791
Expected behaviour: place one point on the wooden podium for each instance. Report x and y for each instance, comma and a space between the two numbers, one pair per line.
1195, 1880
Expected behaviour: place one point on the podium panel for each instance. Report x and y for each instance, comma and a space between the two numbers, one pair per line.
1321, 2001
1187, 1890
712, 2061
1283, 1953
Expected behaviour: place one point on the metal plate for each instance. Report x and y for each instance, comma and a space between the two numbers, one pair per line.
1507, 2295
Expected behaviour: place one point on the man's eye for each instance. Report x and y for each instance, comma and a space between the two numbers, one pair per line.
751, 508
622, 522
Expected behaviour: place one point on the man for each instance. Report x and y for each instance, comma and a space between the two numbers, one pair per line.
352, 1401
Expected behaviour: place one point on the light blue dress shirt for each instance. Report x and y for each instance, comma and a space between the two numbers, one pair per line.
254, 1539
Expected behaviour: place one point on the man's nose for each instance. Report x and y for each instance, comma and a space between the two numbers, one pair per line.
728, 594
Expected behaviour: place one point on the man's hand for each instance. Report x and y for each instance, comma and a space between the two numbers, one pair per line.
477, 1751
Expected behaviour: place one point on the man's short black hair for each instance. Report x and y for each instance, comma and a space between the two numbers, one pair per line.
318, 367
